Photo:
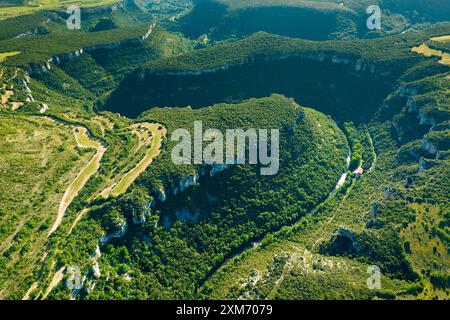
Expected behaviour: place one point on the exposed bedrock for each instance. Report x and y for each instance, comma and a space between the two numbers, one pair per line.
339, 86
70, 56
301, 22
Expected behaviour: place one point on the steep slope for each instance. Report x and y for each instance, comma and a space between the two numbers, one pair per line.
302, 19
336, 77
86, 68
39, 160
58, 79
136, 230
329, 256
370, 222
195, 220
310, 19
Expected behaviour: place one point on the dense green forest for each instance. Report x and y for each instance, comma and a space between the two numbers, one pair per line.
315, 20
233, 214
364, 124
237, 72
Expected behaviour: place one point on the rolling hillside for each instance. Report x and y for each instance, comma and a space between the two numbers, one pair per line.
89, 188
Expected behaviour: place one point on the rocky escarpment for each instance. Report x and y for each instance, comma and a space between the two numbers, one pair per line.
119, 231
160, 195
34, 32
25, 84
425, 117
141, 218
187, 182
355, 63
118, 228
176, 82
65, 57
295, 19
367, 245
429, 147
427, 111
192, 180
16, 83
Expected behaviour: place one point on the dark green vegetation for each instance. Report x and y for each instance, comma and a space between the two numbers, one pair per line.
39, 158
35, 23
180, 243
326, 255
96, 73
356, 73
43, 47
315, 20
195, 231
227, 18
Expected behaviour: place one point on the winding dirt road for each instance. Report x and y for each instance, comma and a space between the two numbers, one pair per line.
156, 136
158, 133
84, 140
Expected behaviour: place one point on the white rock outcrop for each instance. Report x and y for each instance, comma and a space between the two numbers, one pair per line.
118, 234
429, 147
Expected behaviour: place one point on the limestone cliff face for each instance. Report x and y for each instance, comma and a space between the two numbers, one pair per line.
426, 116
356, 64
149, 31
185, 215
95, 265
192, 180
429, 147
33, 32
425, 164
119, 233
217, 168
186, 183
142, 217
161, 194
343, 241
412, 106
407, 91
25, 85
65, 57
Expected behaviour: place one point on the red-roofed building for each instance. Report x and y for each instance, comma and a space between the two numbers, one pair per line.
358, 172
